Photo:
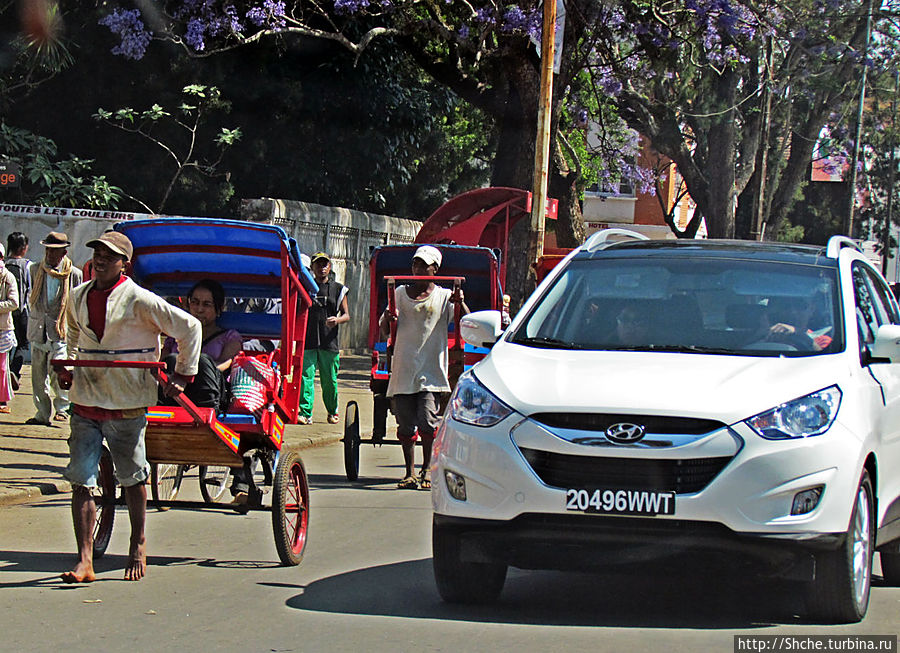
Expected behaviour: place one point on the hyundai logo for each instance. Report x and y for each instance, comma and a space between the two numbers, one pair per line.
625, 433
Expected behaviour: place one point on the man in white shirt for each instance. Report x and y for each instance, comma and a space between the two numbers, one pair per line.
52, 279
419, 362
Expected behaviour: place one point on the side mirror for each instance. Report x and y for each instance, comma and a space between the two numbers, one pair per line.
481, 328
887, 343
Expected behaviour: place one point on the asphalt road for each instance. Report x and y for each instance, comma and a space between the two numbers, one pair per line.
365, 584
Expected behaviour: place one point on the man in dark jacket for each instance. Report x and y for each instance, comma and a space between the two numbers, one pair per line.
322, 349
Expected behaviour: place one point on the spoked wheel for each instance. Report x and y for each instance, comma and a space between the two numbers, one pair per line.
105, 502
290, 508
840, 591
213, 482
165, 481
351, 441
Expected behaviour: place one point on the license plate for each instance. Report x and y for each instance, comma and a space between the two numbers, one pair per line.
621, 502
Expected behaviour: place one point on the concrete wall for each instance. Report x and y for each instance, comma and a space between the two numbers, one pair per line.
347, 236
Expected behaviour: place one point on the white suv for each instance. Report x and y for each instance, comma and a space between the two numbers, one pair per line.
668, 397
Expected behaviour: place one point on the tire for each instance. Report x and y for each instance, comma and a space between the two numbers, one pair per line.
890, 566
105, 504
165, 481
458, 581
840, 591
213, 482
290, 508
351, 441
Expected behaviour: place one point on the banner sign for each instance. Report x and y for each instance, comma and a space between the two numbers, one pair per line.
23, 210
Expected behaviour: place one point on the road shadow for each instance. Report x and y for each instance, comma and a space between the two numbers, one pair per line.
332, 481
655, 598
51, 565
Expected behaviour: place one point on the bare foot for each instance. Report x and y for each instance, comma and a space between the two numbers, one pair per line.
82, 573
137, 563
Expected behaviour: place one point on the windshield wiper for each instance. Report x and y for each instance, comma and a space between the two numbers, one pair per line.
696, 349
547, 343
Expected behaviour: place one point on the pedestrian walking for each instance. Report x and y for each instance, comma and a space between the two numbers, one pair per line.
322, 349
53, 278
16, 250
419, 363
9, 301
113, 318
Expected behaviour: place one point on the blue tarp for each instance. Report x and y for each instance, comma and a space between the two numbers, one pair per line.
172, 254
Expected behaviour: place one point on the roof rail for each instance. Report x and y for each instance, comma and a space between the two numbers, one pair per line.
607, 237
837, 243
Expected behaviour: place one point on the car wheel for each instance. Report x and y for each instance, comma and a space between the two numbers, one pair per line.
840, 591
890, 567
459, 581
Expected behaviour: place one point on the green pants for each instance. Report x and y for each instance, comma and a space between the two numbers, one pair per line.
328, 363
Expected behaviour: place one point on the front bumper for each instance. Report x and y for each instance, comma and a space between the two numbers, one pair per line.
751, 496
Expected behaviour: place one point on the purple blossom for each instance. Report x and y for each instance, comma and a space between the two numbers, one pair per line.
463, 31
193, 36
486, 16
350, 6
129, 27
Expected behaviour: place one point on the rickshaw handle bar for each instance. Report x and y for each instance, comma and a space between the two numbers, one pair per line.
409, 277
66, 362
156, 368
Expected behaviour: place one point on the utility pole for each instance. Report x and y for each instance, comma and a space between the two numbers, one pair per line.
759, 205
542, 142
888, 220
851, 200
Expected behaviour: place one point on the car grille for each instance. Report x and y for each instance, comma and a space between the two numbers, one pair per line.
682, 476
660, 424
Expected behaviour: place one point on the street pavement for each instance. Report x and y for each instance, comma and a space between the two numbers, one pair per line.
32, 458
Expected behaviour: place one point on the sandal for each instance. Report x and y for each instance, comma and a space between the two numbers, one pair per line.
4, 409
61, 417
408, 483
424, 483
304, 420
333, 419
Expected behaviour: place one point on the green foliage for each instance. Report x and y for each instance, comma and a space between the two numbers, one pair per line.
50, 181
188, 144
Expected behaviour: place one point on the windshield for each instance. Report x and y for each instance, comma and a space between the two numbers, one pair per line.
703, 305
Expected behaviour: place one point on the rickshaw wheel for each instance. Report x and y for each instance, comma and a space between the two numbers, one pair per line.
351, 441
290, 508
105, 504
213, 482
165, 481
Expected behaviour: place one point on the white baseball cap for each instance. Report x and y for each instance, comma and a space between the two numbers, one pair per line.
430, 255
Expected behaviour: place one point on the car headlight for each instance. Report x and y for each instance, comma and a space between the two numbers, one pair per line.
472, 403
800, 418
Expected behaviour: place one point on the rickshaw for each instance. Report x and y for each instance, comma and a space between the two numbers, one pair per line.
474, 269
250, 260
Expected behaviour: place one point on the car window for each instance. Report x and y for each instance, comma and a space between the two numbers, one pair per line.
874, 305
715, 305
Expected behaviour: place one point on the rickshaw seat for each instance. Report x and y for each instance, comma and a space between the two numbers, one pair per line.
252, 325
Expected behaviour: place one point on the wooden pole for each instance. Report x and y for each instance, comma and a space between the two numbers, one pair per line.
860, 112
542, 142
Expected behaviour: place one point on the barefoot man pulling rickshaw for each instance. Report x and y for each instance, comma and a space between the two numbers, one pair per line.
109, 318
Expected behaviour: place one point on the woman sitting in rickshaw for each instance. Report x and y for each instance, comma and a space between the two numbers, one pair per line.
209, 389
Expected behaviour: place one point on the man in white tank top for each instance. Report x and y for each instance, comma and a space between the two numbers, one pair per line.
419, 363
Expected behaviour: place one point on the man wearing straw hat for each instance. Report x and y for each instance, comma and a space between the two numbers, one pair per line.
52, 279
